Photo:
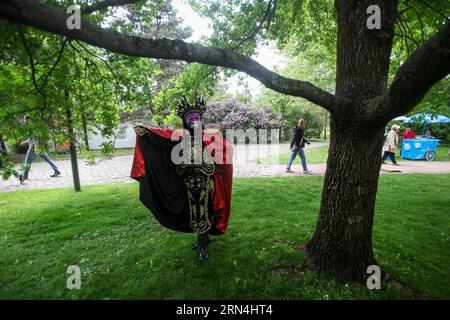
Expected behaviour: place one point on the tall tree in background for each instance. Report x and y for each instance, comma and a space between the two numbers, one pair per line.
312, 64
156, 19
47, 77
363, 102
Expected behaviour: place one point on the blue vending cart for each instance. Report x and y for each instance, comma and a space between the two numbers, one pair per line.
419, 149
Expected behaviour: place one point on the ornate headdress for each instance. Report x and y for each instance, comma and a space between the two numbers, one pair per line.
184, 107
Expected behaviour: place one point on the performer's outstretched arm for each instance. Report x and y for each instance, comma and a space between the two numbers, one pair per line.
140, 130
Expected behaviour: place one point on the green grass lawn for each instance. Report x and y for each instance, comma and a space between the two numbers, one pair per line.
124, 253
319, 155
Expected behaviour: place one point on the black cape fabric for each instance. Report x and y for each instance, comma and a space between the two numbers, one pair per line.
162, 190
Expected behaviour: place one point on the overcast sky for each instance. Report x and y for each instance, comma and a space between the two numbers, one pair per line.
268, 56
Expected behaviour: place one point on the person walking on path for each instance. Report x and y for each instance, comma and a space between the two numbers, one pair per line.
33, 151
390, 146
297, 145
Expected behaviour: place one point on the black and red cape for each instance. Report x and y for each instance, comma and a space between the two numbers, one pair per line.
162, 189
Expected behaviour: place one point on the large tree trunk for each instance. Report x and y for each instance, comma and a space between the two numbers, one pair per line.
342, 242
72, 146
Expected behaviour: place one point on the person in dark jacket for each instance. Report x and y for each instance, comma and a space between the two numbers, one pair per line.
297, 145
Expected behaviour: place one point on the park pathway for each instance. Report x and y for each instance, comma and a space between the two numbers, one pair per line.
117, 170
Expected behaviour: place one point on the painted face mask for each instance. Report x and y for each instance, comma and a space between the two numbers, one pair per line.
193, 119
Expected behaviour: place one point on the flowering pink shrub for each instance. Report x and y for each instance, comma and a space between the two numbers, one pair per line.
231, 114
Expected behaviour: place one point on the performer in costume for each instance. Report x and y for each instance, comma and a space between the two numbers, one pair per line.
188, 189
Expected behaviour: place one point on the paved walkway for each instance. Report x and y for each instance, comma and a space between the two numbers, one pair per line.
319, 169
117, 170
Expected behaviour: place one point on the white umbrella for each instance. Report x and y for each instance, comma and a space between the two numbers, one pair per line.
401, 118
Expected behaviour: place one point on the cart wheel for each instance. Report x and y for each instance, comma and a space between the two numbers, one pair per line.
430, 155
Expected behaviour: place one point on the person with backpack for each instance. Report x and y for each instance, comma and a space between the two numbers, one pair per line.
297, 145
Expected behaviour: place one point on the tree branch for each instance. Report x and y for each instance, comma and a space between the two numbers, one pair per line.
33, 67
434, 9
102, 5
268, 16
87, 63
111, 70
32, 13
30, 58
58, 58
426, 66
